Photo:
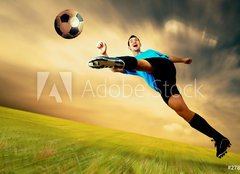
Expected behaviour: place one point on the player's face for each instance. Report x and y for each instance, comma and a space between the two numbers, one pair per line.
134, 44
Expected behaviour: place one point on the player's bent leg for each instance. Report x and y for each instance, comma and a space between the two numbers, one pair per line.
124, 62
177, 103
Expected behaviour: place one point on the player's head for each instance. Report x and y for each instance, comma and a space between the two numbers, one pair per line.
134, 43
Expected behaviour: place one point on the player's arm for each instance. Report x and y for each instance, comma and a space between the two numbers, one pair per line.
185, 60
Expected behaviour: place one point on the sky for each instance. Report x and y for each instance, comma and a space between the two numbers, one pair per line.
206, 31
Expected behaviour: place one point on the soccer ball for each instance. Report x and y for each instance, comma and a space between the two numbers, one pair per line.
68, 24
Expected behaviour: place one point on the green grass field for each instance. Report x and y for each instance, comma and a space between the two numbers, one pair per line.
33, 143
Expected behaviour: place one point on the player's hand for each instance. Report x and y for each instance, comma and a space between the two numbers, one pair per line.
102, 47
187, 60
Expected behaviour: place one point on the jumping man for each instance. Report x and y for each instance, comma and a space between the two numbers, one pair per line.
159, 72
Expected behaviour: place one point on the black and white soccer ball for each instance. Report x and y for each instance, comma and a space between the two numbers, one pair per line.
68, 24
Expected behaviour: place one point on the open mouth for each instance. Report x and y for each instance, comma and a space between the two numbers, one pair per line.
135, 45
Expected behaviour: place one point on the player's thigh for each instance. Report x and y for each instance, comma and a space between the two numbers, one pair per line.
144, 65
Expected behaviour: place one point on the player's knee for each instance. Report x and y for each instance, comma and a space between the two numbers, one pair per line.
185, 113
179, 110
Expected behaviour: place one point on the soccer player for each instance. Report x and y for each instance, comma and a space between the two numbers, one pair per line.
159, 72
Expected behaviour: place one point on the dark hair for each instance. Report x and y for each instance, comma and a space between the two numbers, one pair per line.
132, 36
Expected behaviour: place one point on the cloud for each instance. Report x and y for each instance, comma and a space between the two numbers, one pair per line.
173, 127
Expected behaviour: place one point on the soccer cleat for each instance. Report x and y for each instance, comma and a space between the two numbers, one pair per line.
106, 62
222, 146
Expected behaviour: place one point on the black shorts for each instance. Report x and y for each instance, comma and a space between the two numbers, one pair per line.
165, 77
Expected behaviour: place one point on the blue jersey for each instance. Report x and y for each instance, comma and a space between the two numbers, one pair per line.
147, 77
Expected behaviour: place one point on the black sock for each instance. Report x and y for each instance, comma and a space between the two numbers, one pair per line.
130, 62
201, 125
